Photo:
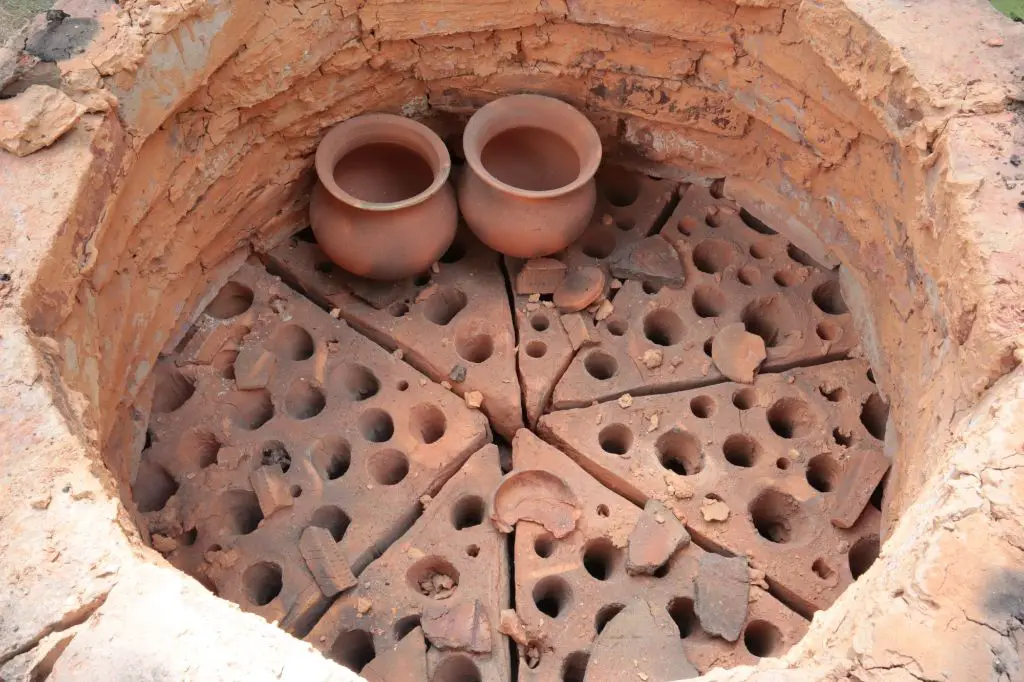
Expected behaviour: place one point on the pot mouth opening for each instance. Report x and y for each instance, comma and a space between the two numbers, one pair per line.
532, 146
382, 162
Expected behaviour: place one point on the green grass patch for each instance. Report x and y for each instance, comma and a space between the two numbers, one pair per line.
1011, 8
14, 14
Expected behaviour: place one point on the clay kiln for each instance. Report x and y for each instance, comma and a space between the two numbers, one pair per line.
203, 118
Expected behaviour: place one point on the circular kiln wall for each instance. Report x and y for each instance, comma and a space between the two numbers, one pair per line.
834, 121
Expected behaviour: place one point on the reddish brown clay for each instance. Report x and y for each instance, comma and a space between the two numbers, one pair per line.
571, 590
579, 289
529, 190
737, 353
332, 434
753, 469
449, 573
735, 272
452, 323
383, 208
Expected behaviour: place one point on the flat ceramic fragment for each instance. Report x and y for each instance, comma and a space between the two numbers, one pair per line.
635, 641
404, 662
658, 535
723, 589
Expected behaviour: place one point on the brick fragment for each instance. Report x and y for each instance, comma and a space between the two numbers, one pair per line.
325, 560
578, 330
864, 469
540, 276
658, 534
462, 626
271, 489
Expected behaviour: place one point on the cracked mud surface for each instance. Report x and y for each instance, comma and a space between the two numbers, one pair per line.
320, 452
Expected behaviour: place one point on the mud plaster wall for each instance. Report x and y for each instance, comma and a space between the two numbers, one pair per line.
840, 123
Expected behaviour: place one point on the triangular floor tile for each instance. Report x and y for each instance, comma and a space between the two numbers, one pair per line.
453, 324
752, 469
448, 574
734, 273
568, 589
331, 431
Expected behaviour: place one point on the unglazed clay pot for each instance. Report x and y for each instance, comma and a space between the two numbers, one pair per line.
383, 208
529, 189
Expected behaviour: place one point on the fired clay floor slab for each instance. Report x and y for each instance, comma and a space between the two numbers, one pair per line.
754, 470
735, 272
304, 469
453, 324
569, 589
276, 417
447, 576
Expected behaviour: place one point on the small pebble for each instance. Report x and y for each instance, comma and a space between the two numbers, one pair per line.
474, 399
625, 400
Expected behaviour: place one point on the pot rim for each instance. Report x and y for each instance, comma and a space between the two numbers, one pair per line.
589, 151
368, 129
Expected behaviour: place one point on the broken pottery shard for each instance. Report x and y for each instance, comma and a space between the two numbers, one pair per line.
721, 591
864, 470
405, 662
540, 276
577, 329
462, 626
579, 289
536, 496
652, 260
633, 641
271, 489
738, 353
658, 534
36, 118
254, 367
325, 560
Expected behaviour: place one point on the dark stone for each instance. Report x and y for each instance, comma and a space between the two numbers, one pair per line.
722, 589
458, 374
652, 260
62, 38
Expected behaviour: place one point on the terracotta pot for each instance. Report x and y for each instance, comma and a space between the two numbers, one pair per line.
383, 208
528, 190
